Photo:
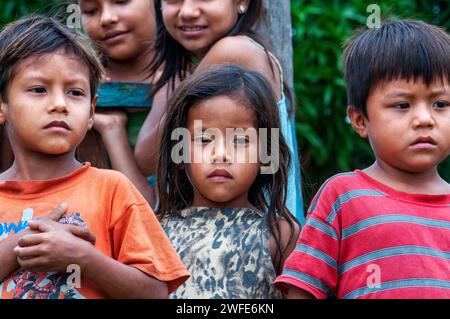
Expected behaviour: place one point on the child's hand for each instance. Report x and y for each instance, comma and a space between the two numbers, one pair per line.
54, 248
109, 120
56, 215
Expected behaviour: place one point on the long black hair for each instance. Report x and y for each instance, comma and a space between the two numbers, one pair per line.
176, 61
268, 191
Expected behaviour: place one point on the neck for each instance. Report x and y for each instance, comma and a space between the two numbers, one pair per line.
239, 202
131, 70
41, 167
424, 182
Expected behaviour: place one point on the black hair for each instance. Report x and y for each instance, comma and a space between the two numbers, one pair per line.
176, 60
36, 35
268, 191
403, 49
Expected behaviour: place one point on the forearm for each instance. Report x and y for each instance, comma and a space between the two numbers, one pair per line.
8, 259
145, 153
120, 281
122, 159
297, 293
147, 145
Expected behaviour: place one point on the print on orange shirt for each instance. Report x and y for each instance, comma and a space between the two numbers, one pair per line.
30, 285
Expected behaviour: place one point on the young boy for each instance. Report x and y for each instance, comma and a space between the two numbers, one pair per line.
384, 232
49, 76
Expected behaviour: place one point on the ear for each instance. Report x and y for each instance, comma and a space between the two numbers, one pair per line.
358, 121
92, 112
242, 6
3, 107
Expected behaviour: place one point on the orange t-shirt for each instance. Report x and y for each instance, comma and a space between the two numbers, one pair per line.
108, 204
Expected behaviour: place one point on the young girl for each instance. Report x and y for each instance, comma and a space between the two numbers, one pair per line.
195, 35
124, 33
224, 212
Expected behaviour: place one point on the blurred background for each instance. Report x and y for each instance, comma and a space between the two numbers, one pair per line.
327, 143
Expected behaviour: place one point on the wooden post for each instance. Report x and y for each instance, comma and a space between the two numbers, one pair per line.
276, 28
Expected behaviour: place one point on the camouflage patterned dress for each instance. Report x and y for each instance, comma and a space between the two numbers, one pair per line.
226, 250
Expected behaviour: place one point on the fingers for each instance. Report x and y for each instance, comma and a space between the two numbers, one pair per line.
29, 252
82, 233
41, 225
44, 226
57, 212
37, 264
30, 240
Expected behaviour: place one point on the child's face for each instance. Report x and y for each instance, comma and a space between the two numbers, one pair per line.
123, 30
196, 24
408, 124
49, 107
228, 166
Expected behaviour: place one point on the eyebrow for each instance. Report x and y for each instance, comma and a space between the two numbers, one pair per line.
396, 94
410, 94
40, 78
439, 92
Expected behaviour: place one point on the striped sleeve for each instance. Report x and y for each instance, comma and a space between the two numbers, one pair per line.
312, 266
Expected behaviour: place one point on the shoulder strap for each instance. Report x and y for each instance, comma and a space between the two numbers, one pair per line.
280, 69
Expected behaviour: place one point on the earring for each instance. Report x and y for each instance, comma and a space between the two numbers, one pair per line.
242, 9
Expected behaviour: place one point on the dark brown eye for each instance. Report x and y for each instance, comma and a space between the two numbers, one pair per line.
441, 105
37, 90
77, 93
89, 12
241, 140
401, 106
203, 139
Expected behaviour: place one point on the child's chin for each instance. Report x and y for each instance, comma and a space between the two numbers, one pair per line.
57, 150
421, 167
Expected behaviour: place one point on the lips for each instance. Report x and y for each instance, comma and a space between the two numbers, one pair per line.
424, 139
220, 175
58, 125
192, 31
113, 35
192, 28
424, 142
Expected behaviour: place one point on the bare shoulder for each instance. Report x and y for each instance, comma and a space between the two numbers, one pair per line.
285, 226
246, 53
235, 49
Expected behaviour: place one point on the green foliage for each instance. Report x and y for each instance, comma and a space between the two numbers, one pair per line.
10, 10
327, 142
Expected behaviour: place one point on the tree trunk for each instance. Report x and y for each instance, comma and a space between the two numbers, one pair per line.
276, 28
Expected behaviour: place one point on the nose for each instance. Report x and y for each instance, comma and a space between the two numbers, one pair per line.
423, 117
221, 153
189, 10
58, 104
109, 16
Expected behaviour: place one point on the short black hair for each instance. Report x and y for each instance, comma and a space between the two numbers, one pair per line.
36, 35
401, 49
